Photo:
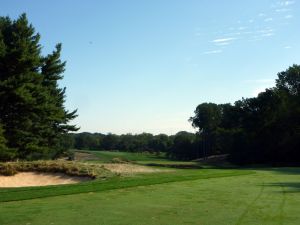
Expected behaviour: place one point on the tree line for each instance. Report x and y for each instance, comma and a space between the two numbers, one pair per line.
175, 146
263, 129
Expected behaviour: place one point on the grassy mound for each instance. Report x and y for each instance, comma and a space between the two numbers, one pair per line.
57, 166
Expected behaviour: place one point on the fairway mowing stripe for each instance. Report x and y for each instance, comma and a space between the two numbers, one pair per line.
243, 215
282, 203
9, 195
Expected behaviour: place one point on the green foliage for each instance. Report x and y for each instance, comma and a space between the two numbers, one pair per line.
184, 146
31, 102
264, 129
6, 154
126, 142
207, 117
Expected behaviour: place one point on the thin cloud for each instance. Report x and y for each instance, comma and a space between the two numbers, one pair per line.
282, 10
223, 43
212, 52
288, 16
223, 40
268, 19
287, 3
267, 30
287, 47
268, 35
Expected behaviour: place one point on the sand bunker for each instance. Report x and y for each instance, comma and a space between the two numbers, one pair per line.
129, 168
29, 179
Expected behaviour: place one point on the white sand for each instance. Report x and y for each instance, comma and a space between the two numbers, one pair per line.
28, 179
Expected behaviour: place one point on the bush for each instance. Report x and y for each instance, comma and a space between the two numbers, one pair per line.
7, 170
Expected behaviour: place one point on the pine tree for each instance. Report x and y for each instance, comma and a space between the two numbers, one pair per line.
6, 154
31, 103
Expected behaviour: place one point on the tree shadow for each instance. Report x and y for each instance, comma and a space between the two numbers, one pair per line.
282, 170
287, 187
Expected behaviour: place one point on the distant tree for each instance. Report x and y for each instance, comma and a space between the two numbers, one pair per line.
87, 141
183, 147
289, 80
207, 119
110, 142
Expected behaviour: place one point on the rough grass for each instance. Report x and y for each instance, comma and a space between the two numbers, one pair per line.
131, 169
56, 166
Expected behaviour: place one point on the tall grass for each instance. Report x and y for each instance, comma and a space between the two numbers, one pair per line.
58, 166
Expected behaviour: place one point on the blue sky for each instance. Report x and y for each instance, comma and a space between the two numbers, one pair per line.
143, 66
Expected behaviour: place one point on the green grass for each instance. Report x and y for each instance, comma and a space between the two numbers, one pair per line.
179, 196
142, 159
107, 156
267, 197
15, 194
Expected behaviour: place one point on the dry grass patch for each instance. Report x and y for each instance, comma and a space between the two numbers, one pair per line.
56, 166
130, 169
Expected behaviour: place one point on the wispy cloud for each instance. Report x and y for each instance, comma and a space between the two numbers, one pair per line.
258, 27
287, 47
220, 40
212, 52
281, 10
268, 35
268, 19
287, 3
223, 43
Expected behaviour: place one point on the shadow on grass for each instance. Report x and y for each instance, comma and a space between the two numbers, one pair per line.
193, 165
283, 170
287, 187
177, 166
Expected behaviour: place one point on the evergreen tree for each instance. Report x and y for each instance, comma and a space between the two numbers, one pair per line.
6, 154
31, 103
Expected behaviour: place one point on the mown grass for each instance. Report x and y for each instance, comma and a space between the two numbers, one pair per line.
108, 156
15, 194
178, 196
143, 158
267, 197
